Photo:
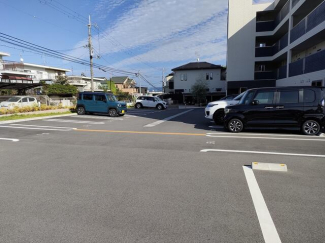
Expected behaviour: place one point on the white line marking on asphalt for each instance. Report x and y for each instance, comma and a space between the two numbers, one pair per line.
75, 121
269, 231
257, 134
99, 117
270, 138
260, 152
39, 128
23, 125
166, 119
10, 139
34, 119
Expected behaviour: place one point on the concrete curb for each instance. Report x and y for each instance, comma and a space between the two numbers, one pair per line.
36, 118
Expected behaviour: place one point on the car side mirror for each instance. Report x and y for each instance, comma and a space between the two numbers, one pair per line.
255, 102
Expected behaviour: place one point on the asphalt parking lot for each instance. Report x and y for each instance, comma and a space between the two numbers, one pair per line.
157, 176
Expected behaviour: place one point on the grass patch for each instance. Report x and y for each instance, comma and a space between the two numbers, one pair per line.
25, 116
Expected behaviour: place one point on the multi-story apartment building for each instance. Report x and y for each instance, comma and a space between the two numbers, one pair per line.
275, 44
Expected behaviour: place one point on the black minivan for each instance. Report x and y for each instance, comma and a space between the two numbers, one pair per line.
282, 107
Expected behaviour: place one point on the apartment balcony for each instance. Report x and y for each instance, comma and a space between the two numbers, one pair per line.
266, 75
316, 17
270, 25
312, 63
269, 51
282, 72
265, 26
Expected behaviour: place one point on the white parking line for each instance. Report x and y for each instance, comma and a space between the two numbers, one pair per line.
166, 119
260, 152
23, 125
269, 231
99, 117
10, 139
39, 128
76, 121
258, 134
270, 138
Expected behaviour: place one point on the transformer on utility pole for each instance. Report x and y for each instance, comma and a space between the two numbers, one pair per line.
90, 56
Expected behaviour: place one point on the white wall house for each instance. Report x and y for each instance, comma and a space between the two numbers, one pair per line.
212, 75
23, 76
84, 83
275, 44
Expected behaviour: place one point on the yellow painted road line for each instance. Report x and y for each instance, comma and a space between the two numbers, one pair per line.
139, 132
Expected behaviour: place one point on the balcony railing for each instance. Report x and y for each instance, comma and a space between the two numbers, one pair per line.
265, 26
296, 68
272, 24
315, 62
315, 18
269, 51
283, 13
294, 2
267, 75
282, 72
312, 63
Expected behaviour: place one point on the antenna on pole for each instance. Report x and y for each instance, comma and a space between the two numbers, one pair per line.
91, 52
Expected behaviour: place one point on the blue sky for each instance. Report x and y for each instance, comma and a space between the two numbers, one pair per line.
135, 35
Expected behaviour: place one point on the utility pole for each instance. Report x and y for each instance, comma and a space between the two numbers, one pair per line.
90, 56
140, 82
163, 79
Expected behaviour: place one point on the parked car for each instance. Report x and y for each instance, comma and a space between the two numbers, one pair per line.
216, 110
100, 102
286, 107
19, 101
150, 101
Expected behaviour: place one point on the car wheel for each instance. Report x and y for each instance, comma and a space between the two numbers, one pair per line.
235, 125
311, 127
121, 114
160, 107
81, 110
218, 117
112, 112
138, 105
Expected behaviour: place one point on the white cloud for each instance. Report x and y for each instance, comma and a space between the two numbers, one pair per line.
165, 31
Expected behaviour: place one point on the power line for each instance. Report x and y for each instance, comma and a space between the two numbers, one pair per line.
39, 49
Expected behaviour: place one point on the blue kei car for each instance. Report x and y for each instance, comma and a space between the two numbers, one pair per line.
100, 102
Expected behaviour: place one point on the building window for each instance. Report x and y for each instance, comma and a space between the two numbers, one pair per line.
218, 89
183, 77
38, 72
261, 68
209, 76
317, 83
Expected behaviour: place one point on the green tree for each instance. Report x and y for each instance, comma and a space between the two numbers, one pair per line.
199, 90
111, 86
59, 89
61, 80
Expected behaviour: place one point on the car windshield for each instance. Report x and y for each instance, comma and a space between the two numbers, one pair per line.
112, 98
13, 99
158, 99
246, 98
240, 96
